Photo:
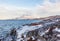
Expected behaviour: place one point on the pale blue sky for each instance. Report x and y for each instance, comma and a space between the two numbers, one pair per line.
22, 3
28, 8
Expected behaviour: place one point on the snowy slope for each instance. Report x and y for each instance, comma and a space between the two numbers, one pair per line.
41, 29
41, 32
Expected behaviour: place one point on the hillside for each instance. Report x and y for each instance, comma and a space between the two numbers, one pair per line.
46, 30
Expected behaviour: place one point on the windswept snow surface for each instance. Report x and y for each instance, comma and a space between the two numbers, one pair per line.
7, 25
26, 29
22, 30
57, 29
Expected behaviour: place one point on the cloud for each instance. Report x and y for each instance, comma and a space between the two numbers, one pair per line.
9, 12
47, 8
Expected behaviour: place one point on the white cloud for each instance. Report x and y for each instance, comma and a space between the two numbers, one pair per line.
8, 12
46, 9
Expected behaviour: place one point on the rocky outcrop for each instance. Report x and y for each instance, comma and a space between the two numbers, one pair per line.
49, 32
46, 30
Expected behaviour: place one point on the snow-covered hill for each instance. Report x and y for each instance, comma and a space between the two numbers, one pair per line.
44, 30
49, 31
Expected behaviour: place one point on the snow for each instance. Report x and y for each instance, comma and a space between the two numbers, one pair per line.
27, 29
58, 30
58, 35
49, 23
23, 30
33, 38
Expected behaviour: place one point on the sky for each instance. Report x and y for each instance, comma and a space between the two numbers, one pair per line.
23, 9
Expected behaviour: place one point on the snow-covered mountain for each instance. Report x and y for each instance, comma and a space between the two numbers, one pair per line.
47, 29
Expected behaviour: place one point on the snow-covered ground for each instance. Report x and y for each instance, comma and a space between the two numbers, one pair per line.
5, 28
26, 29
